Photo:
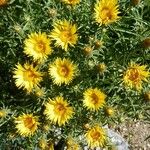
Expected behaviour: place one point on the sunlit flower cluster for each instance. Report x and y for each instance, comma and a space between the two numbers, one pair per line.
67, 75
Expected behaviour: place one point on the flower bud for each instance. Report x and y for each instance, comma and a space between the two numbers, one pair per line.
147, 96
135, 2
3, 113
146, 43
86, 126
88, 50
101, 67
52, 12
109, 111
42, 143
98, 44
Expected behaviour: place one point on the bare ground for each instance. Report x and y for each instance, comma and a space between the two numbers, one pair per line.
135, 132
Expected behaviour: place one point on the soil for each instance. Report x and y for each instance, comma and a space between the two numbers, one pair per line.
136, 134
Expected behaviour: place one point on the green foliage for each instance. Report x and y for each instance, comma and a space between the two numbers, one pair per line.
122, 43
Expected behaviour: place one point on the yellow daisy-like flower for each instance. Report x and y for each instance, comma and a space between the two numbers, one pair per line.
93, 99
71, 2
135, 75
26, 124
27, 76
106, 11
37, 45
58, 111
96, 137
62, 71
72, 144
64, 33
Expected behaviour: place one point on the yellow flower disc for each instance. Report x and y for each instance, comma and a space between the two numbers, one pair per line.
26, 124
64, 34
95, 137
106, 11
93, 99
37, 45
58, 111
62, 71
135, 75
27, 76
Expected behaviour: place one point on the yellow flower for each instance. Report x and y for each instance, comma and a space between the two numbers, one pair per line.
62, 71
71, 2
3, 2
3, 113
96, 137
27, 76
37, 45
134, 75
58, 111
94, 99
64, 33
26, 124
106, 11
72, 144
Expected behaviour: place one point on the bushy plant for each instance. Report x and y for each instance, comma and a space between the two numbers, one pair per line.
69, 67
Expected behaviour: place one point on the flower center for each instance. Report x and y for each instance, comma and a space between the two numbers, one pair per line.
95, 135
134, 75
63, 71
29, 122
66, 35
40, 46
106, 13
60, 109
94, 98
29, 75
